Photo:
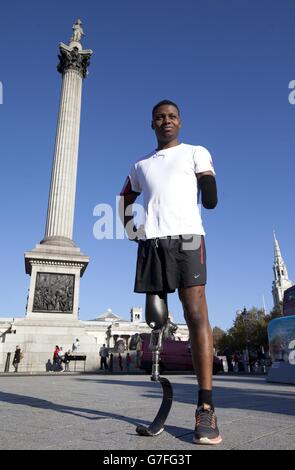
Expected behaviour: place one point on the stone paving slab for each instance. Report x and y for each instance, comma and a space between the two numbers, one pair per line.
100, 412
272, 441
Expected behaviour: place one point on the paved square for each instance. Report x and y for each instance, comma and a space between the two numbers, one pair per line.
101, 412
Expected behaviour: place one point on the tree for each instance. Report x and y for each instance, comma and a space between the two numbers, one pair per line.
276, 312
218, 335
249, 330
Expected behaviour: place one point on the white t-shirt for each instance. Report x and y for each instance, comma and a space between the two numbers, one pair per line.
167, 179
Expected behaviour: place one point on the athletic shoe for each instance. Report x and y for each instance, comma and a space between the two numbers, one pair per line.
206, 430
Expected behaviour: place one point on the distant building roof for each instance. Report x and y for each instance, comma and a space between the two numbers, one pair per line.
107, 316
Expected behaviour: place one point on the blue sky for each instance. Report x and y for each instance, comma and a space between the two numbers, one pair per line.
226, 63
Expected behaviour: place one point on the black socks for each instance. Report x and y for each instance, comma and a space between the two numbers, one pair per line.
205, 396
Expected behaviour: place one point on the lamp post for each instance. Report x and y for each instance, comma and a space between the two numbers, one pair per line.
244, 314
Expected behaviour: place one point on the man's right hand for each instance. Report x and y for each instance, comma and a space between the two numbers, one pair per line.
135, 234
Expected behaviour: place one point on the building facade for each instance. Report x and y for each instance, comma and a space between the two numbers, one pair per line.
281, 279
110, 329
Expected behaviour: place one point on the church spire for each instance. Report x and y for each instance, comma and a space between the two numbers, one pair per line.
277, 251
281, 280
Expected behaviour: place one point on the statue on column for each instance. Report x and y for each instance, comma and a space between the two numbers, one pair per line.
78, 31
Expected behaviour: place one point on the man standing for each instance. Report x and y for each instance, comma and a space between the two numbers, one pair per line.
104, 353
17, 358
56, 359
171, 249
75, 346
111, 362
120, 359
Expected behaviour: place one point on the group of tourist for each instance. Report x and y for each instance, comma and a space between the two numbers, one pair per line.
107, 360
60, 357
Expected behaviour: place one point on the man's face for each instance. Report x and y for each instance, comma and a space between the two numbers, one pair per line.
166, 123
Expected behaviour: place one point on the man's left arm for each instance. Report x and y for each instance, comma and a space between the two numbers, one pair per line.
207, 185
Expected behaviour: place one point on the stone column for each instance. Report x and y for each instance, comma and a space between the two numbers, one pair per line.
56, 264
60, 214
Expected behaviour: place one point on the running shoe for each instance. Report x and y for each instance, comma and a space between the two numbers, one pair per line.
206, 430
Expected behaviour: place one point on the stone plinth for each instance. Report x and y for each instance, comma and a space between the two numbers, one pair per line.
37, 341
55, 282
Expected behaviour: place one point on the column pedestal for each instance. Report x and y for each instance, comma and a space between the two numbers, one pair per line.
55, 281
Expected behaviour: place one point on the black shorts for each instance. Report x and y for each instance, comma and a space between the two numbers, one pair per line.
167, 263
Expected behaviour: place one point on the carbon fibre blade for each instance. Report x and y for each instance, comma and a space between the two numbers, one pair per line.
157, 426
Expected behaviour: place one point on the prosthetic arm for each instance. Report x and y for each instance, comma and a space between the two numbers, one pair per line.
207, 185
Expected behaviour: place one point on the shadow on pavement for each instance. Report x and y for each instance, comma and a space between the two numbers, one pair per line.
34, 402
250, 398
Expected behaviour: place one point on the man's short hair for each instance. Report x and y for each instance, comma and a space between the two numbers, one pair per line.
161, 103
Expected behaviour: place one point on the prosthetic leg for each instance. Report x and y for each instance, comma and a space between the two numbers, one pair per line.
156, 312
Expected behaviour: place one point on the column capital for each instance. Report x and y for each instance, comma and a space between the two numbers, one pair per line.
73, 57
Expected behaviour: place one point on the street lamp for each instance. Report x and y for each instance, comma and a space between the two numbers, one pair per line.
244, 314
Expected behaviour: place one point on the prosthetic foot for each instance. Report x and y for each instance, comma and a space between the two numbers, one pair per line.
157, 318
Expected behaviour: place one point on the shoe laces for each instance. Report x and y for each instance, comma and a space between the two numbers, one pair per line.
205, 416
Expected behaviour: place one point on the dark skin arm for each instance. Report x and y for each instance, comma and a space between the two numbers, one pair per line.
124, 203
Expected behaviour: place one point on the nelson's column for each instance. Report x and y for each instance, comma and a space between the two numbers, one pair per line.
56, 264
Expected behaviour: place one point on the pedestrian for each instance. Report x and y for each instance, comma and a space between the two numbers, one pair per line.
236, 360
138, 352
228, 354
17, 358
66, 361
120, 361
55, 358
49, 366
128, 362
60, 356
75, 346
104, 353
111, 362
171, 250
